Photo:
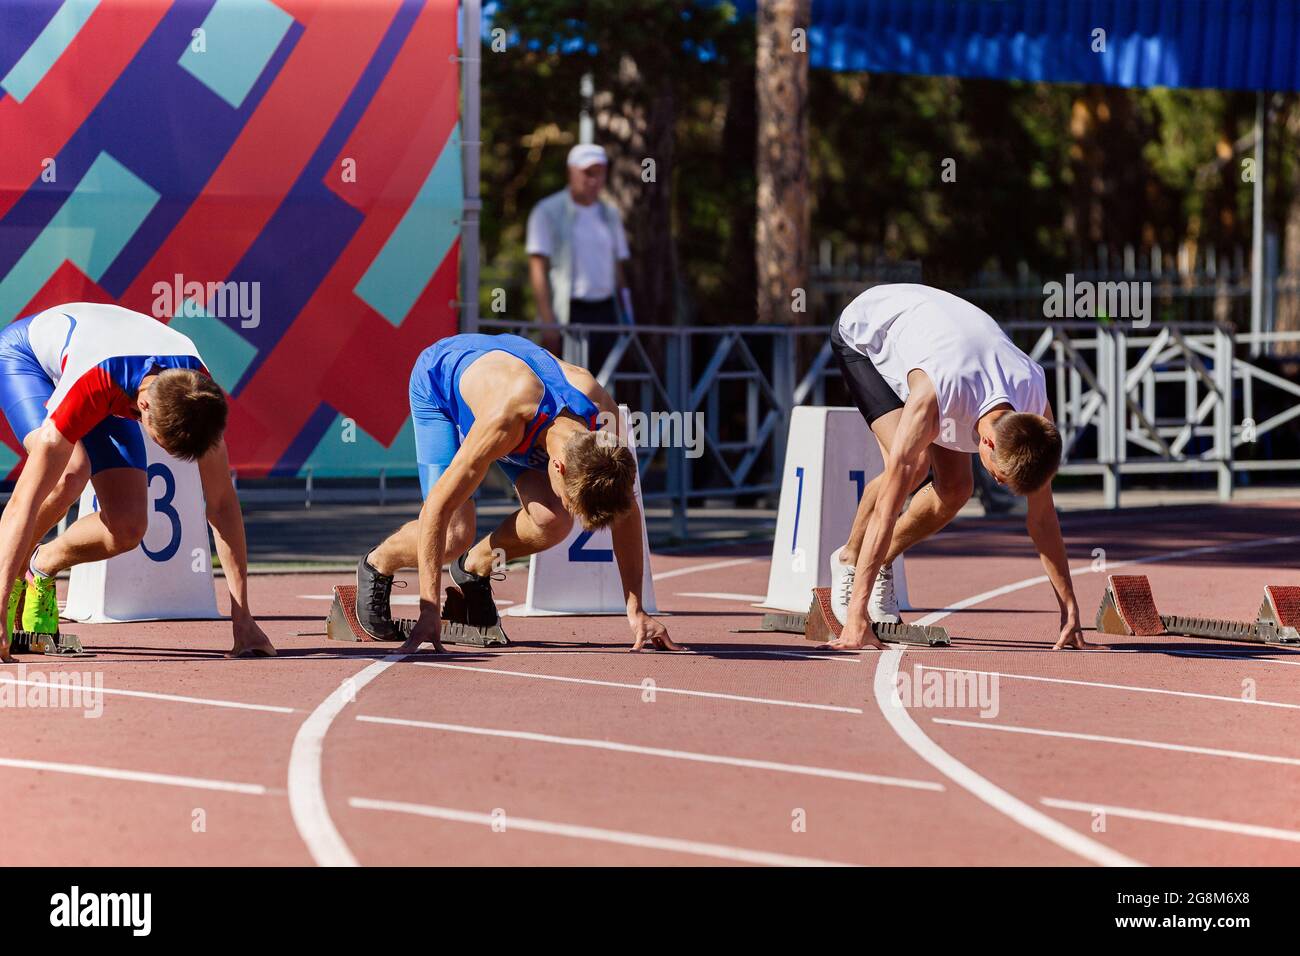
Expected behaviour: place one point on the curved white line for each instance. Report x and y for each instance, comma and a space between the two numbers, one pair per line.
891, 706
886, 694
311, 813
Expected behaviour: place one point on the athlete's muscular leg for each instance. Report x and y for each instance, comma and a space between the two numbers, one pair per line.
117, 527
884, 428
62, 497
937, 503
401, 548
540, 523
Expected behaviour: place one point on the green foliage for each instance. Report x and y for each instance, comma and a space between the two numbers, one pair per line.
1044, 173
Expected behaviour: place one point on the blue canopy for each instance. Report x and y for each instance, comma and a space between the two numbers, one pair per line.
1222, 44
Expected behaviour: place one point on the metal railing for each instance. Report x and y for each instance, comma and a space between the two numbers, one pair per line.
1169, 399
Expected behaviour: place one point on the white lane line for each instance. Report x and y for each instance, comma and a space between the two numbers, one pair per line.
886, 694
958, 772
1247, 656
135, 776
1128, 687
397, 600
1126, 741
55, 686
939, 615
841, 658
1199, 823
722, 596
802, 769
657, 688
311, 813
622, 837
714, 566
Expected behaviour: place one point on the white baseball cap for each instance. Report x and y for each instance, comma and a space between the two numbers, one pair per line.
588, 154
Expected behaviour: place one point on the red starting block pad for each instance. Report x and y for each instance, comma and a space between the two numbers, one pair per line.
1281, 606
821, 625
1128, 608
342, 625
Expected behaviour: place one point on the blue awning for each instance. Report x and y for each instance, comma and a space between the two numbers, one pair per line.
1223, 44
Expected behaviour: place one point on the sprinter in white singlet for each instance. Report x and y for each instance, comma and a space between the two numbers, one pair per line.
937, 379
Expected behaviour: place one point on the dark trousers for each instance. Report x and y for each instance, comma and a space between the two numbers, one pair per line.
599, 344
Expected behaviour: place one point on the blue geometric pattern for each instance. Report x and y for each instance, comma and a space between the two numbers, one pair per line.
239, 37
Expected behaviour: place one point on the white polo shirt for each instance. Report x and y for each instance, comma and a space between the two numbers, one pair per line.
598, 240
961, 348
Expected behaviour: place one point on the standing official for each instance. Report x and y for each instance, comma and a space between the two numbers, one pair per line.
576, 249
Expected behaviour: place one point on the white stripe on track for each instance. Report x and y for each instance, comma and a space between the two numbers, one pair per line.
573, 831
714, 566
886, 694
148, 695
1247, 656
986, 790
1128, 687
939, 615
134, 776
397, 600
311, 814
722, 596
1177, 819
1126, 741
802, 769
657, 688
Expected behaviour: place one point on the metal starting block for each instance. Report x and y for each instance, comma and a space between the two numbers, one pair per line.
1128, 608
342, 625
820, 624
29, 642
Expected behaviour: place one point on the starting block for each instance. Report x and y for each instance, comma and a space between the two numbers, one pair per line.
29, 642
342, 625
1128, 608
821, 625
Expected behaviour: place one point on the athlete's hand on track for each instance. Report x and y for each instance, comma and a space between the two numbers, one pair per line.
853, 638
427, 630
250, 639
5, 656
645, 628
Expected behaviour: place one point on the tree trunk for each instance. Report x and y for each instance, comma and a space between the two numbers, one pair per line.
637, 133
781, 244
1288, 291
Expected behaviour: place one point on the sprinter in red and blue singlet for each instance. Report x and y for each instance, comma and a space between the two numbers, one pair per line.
550, 426
80, 386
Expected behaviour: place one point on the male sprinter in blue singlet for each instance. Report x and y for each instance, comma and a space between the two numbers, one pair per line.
479, 399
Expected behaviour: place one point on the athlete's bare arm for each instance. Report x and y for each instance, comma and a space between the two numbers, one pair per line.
502, 405
46, 461
227, 521
917, 429
1045, 531
629, 549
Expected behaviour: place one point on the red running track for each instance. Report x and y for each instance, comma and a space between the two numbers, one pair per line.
752, 748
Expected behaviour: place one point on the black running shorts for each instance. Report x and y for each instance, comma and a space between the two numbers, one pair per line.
871, 393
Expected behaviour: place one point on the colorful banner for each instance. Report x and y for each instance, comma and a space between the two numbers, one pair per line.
279, 180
